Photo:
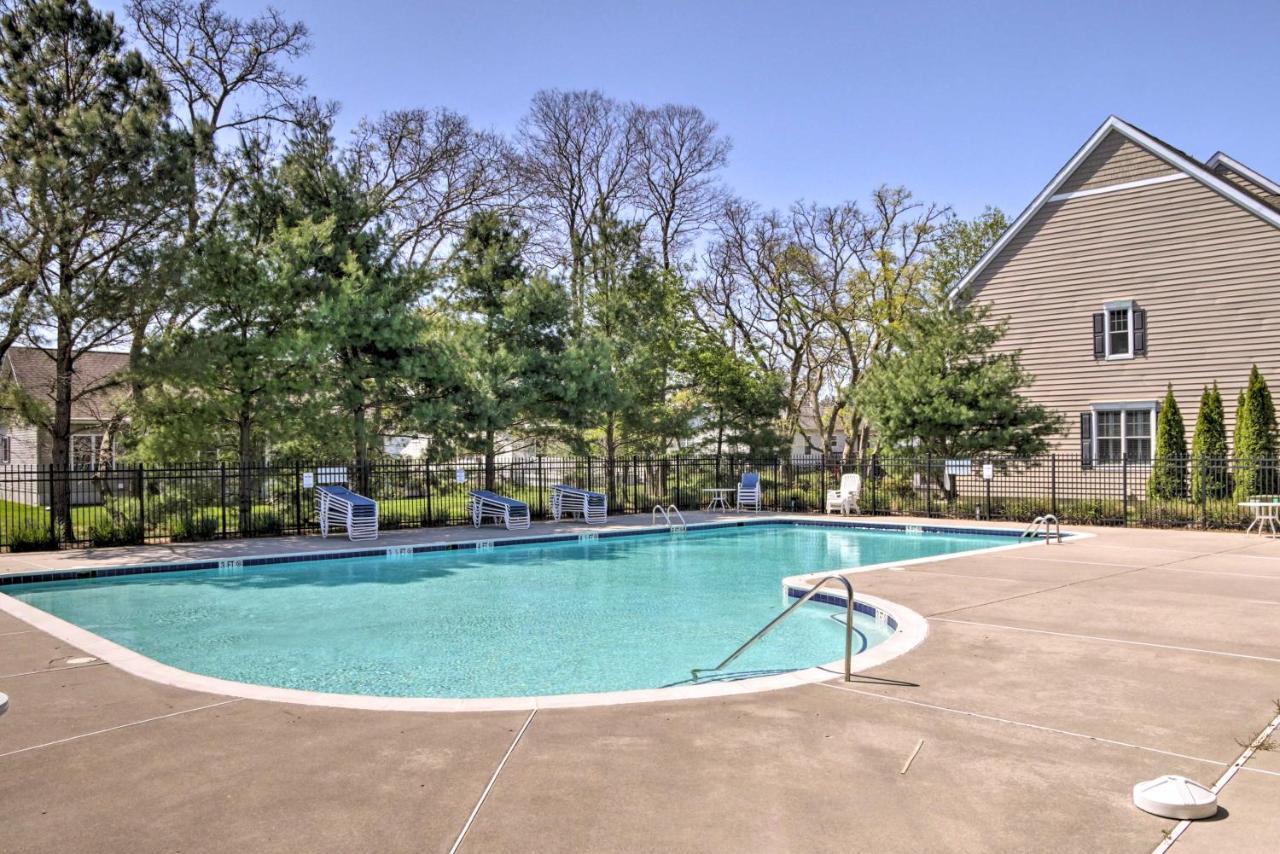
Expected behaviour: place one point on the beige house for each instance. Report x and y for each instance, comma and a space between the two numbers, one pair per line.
1137, 266
96, 394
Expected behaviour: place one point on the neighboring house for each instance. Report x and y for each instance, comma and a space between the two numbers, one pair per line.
96, 397
810, 437
1137, 266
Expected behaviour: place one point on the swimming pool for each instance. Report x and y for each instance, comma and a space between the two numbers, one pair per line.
549, 618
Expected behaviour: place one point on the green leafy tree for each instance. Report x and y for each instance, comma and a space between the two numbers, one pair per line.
1255, 443
518, 326
240, 378
1168, 477
633, 331
942, 391
90, 173
736, 400
1211, 476
385, 366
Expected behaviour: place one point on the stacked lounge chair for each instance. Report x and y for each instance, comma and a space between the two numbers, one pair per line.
338, 505
568, 500
486, 504
750, 495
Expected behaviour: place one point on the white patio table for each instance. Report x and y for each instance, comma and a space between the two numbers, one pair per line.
719, 498
1264, 513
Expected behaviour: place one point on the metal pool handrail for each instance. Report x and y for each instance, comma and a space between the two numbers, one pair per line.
666, 513
813, 591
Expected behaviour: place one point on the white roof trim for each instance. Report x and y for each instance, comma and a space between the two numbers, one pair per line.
1240, 169
1154, 146
1115, 188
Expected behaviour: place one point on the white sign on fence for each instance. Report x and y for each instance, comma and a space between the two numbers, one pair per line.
460, 476
988, 471
308, 479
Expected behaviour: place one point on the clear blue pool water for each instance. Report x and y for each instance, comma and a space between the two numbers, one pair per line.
614, 614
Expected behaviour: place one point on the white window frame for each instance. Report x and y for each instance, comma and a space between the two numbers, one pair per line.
6, 450
95, 444
1150, 406
1125, 305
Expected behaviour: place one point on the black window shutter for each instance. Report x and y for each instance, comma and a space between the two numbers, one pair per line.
1086, 440
1139, 332
1100, 335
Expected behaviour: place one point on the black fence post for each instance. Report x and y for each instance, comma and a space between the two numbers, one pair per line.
53, 524
1124, 486
1053, 484
874, 475
222, 493
297, 498
141, 485
928, 486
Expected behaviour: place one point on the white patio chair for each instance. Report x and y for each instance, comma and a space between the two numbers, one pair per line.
845, 499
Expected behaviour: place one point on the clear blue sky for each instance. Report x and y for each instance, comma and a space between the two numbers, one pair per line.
965, 103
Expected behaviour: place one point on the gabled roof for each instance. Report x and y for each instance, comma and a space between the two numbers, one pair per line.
94, 383
1224, 160
1179, 160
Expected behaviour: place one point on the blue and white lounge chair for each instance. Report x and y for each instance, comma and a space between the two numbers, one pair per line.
568, 500
337, 505
486, 504
750, 495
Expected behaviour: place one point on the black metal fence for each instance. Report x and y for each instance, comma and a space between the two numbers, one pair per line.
129, 505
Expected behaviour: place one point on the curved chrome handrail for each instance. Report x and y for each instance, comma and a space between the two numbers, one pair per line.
813, 591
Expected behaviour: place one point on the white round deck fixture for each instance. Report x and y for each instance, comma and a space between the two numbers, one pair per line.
1177, 797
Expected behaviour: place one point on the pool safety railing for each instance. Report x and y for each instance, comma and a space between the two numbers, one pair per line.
1046, 526
667, 512
791, 609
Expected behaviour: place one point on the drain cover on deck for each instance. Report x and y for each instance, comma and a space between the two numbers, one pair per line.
1177, 797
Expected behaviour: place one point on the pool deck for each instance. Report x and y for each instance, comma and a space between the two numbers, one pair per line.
1053, 678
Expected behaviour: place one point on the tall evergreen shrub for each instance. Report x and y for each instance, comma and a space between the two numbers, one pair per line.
1255, 445
1169, 472
1211, 472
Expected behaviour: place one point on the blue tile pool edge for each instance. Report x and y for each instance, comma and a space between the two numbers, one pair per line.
80, 574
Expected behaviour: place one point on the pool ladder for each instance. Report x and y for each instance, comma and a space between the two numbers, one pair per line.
1046, 525
666, 514
791, 609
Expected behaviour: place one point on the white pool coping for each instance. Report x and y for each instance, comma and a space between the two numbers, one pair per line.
911, 630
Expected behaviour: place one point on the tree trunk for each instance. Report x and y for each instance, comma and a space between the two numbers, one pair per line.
360, 428
490, 460
60, 500
610, 451
245, 491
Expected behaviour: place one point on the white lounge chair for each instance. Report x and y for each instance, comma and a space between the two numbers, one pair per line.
845, 499
337, 505
568, 501
486, 504
750, 494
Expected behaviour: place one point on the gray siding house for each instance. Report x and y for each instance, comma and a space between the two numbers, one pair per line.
25, 446
1137, 266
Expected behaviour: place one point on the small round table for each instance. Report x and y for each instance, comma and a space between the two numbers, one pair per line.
719, 499
1264, 513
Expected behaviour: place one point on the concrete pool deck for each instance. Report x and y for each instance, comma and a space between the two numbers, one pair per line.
1053, 678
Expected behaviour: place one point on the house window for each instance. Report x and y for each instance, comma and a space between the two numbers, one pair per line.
4, 450
84, 451
1120, 432
1119, 331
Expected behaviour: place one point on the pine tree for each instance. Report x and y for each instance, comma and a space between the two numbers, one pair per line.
1255, 449
942, 391
91, 172
1211, 475
1169, 473
519, 326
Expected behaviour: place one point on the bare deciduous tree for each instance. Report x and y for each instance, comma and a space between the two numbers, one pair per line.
675, 167
428, 171
575, 160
